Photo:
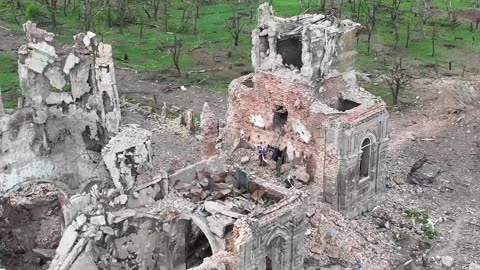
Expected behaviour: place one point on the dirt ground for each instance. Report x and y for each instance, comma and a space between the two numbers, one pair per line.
441, 124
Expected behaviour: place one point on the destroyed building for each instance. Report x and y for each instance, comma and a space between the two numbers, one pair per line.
66, 132
303, 101
67, 114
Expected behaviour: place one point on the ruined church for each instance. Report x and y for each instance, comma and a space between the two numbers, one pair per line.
302, 103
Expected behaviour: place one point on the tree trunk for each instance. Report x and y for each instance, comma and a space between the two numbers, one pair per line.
195, 19
396, 34
433, 43
176, 54
165, 14
408, 33
109, 14
121, 13
156, 6
53, 17
369, 38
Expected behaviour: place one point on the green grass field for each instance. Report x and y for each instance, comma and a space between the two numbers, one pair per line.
454, 44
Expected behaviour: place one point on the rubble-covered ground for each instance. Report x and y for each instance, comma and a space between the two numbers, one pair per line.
30, 227
432, 222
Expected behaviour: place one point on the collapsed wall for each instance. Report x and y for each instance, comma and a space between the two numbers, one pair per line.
68, 112
314, 46
304, 106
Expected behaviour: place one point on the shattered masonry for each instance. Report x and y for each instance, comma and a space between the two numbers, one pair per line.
114, 214
303, 99
69, 110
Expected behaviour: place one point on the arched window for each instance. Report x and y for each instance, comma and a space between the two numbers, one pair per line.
365, 158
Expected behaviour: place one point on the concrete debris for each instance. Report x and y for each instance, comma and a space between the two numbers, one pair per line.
447, 261
218, 224
59, 98
257, 120
84, 262
98, 220
69, 238
45, 134
302, 132
301, 174
121, 199
70, 62
474, 266
210, 130
79, 222
44, 253
35, 35
306, 114
127, 155
245, 159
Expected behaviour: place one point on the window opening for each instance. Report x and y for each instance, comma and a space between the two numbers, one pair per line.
268, 263
365, 158
280, 116
291, 51
263, 45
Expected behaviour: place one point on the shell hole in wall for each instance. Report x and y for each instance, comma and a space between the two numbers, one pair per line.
291, 51
278, 155
263, 45
280, 117
344, 105
248, 83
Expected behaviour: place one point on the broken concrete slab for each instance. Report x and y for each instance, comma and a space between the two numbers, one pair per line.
55, 98
218, 224
46, 77
257, 120
302, 132
127, 155
47, 254
56, 77
145, 198
83, 262
121, 199
98, 220
69, 237
70, 62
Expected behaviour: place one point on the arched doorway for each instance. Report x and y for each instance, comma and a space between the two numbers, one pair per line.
197, 246
365, 158
275, 258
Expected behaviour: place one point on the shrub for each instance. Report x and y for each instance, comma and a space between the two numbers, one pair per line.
33, 10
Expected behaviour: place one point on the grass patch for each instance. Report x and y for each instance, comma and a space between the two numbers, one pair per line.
9, 84
422, 217
150, 51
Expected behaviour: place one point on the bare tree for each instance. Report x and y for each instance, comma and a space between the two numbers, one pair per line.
176, 50
155, 4
122, 9
408, 33
397, 79
51, 6
90, 9
434, 36
423, 13
235, 24
369, 9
